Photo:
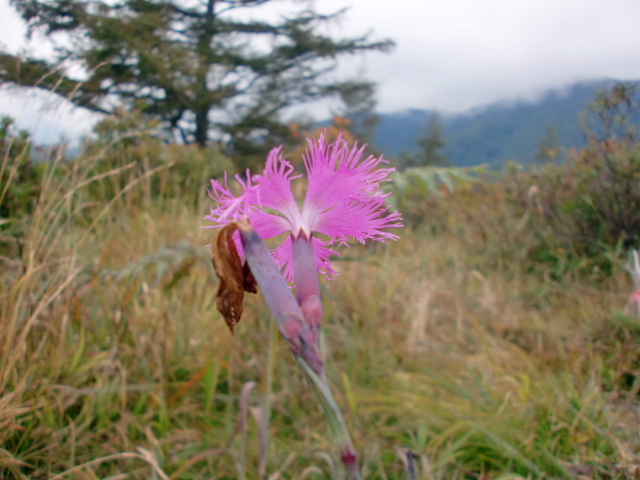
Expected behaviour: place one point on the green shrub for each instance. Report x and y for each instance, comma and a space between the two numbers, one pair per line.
20, 177
576, 217
590, 205
128, 148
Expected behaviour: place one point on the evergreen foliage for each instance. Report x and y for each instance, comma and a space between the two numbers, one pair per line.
430, 144
195, 66
19, 177
549, 146
360, 103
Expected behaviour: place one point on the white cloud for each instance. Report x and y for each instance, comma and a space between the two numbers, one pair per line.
47, 116
13, 29
457, 54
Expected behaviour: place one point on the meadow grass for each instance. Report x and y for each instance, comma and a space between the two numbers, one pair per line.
115, 363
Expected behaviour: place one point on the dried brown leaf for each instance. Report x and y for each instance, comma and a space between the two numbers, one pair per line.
235, 278
250, 284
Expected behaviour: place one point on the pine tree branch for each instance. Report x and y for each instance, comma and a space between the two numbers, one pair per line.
31, 72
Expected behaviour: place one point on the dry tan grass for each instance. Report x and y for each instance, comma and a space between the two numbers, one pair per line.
115, 363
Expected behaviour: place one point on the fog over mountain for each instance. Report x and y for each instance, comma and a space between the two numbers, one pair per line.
498, 132
492, 134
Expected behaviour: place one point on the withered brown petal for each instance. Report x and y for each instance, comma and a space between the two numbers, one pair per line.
234, 277
250, 284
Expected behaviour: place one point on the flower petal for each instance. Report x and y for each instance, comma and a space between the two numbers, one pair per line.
337, 176
283, 256
268, 225
232, 208
229, 206
274, 189
344, 198
359, 220
323, 254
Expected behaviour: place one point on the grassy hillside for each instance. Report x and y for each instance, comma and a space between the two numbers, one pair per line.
461, 341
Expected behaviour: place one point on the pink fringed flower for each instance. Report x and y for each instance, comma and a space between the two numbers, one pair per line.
343, 200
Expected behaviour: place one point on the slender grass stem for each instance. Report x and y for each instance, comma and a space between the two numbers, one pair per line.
266, 413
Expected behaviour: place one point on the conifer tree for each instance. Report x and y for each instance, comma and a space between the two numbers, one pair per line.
191, 64
549, 146
431, 143
359, 107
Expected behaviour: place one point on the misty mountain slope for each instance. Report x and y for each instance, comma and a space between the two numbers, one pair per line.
499, 132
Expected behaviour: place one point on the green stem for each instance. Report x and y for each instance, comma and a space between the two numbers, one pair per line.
337, 426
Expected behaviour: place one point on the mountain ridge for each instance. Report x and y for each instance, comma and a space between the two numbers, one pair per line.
501, 131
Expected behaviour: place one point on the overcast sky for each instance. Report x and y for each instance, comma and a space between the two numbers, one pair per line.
453, 55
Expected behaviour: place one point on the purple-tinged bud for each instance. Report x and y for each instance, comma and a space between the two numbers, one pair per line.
275, 290
305, 268
313, 311
300, 333
306, 281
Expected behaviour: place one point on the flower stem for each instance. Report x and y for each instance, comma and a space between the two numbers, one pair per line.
337, 426
300, 334
300, 326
